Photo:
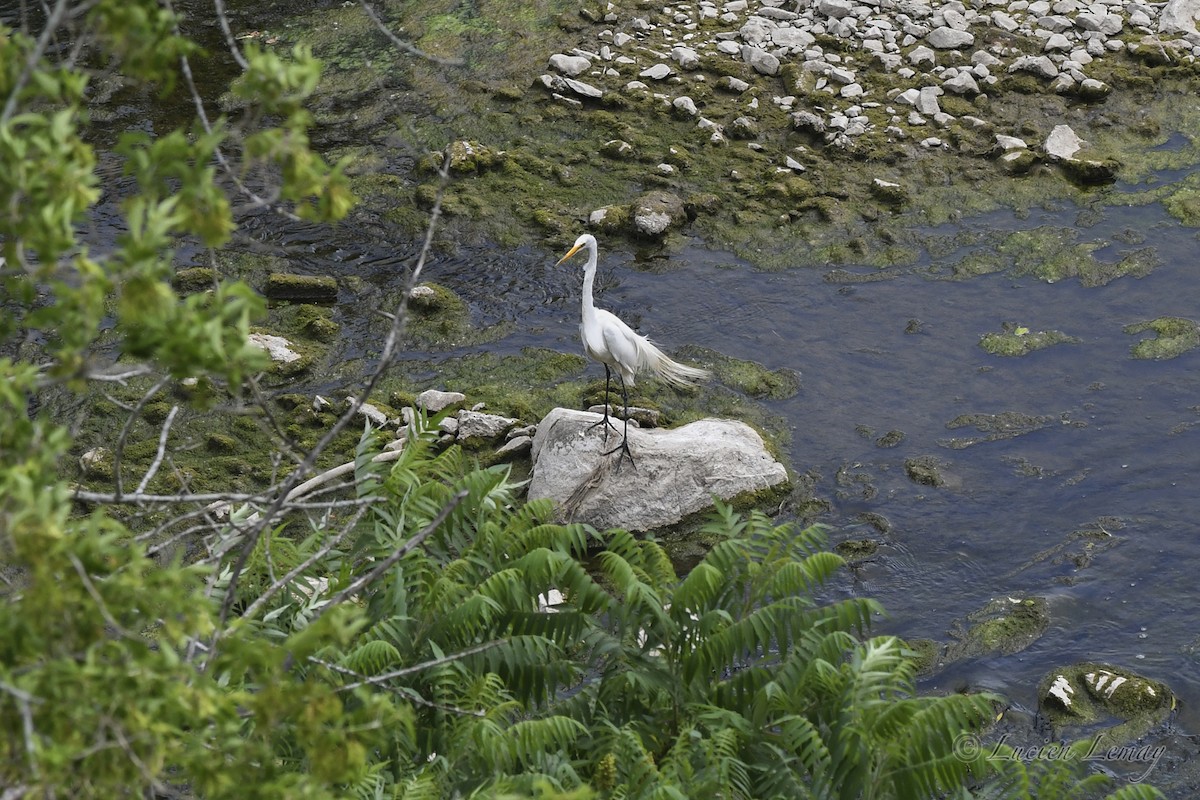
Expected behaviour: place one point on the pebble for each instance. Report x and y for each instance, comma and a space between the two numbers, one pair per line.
904, 38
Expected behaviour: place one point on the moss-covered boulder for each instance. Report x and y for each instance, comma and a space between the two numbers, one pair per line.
655, 213
1004, 626
302, 288
1173, 336
1083, 694
1017, 340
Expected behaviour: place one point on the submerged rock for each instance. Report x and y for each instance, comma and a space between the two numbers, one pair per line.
655, 212
675, 472
1083, 694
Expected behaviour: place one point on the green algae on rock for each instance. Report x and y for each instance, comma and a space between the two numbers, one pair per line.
1173, 336
1075, 698
1005, 626
994, 427
1017, 340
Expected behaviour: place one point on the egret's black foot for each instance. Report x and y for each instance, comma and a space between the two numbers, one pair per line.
607, 421
623, 448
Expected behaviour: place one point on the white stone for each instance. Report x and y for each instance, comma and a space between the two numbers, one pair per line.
1179, 16
927, 103
1057, 43
962, 83
1010, 142
473, 425
835, 8
570, 65
922, 55
685, 104
686, 57
656, 73
433, 400
582, 89
763, 62
278, 348
675, 473
946, 38
1062, 142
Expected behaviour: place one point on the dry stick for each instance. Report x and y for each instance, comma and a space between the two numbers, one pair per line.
162, 450
275, 587
390, 561
403, 45
437, 662
256, 201
24, 700
405, 691
119, 455
229, 38
91, 590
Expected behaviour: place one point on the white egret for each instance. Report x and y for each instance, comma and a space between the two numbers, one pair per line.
618, 347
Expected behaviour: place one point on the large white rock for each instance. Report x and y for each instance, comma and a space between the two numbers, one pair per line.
571, 66
675, 472
278, 348
433, 400
475, 427
1062, 142
1179, 16
946, 38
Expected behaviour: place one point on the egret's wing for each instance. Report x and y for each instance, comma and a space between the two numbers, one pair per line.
625, 347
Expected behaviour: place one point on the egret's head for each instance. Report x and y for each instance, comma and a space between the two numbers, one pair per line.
580, 243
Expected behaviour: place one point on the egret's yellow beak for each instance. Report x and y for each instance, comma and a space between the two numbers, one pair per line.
570, 253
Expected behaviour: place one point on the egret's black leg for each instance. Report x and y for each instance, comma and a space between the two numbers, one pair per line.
624, 448
605, 422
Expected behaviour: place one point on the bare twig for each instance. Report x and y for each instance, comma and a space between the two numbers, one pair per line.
437, 662
385, 358
403, 45
383, 566
234, 50
324, 550
162, 450
112, 498
91, 589
118, 455
25, 703
407, 692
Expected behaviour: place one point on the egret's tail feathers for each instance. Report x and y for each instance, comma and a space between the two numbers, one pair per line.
672, 372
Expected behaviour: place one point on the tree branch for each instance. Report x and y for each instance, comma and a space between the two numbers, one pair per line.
390, 561
162, 450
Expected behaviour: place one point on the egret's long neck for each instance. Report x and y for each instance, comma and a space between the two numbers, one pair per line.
589, 278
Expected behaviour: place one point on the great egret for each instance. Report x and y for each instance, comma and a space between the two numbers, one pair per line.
615, 345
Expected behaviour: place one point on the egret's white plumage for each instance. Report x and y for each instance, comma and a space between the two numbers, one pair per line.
617, 346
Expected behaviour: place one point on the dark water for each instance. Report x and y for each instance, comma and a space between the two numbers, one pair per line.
1120, 452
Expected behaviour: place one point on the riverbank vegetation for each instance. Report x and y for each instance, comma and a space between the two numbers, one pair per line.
413, 630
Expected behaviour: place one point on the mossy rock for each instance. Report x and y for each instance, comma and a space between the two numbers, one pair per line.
310, 321
1090, 171
924, 652
194, 279
924, 470
1079, 696
1016, 340
856, 549
1007, 625
305, 288
748, 377
221, 443
1184, 205
1173, 337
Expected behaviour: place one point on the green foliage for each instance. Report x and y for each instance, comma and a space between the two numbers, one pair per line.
432, 636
